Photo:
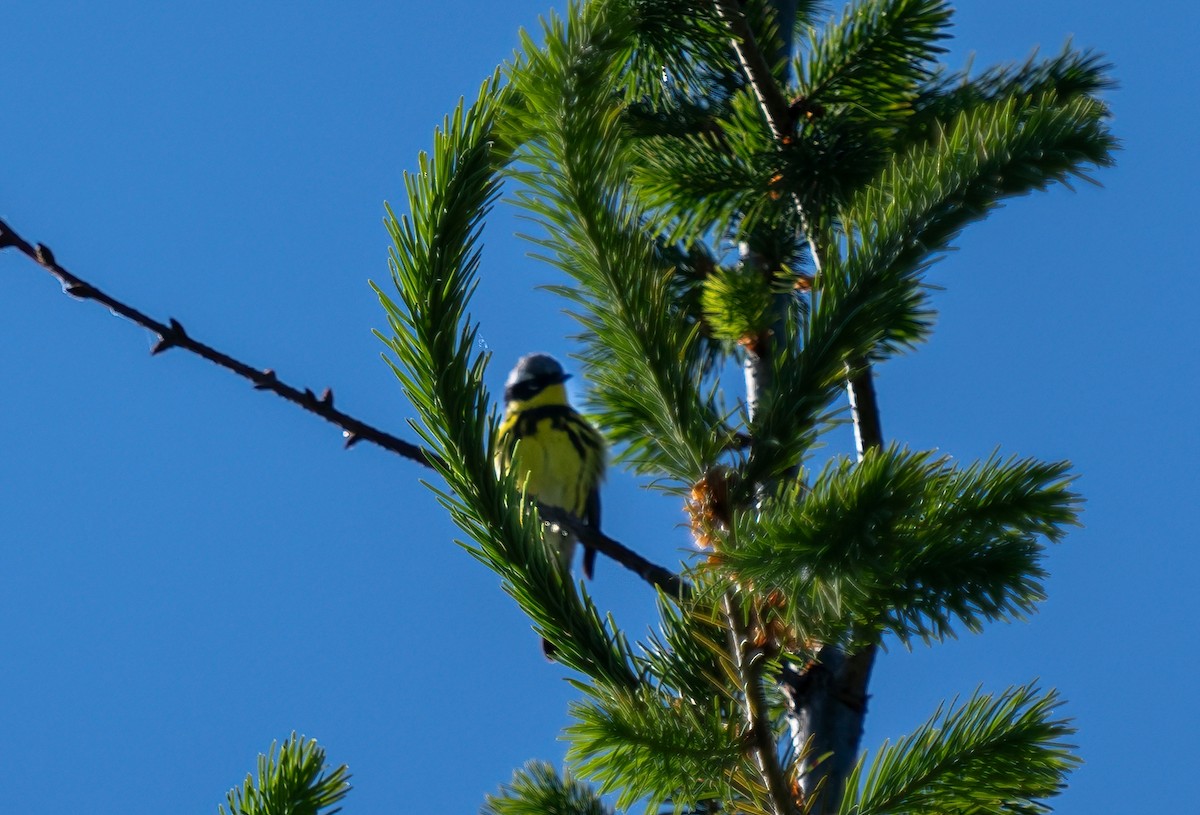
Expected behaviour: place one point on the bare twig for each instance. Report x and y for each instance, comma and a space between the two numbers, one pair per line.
671, 583
172, 335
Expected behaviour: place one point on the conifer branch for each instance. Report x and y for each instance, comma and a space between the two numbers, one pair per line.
842, 726
1003, 753
538, 788
748, 662
754, 63
293, 777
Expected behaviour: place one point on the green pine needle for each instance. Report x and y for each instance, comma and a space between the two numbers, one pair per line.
905, 542
649, 745
872, 61
1001, 755
645, 358
293, 779
537, 789
434, 262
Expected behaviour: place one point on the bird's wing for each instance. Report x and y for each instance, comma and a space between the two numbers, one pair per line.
506, 443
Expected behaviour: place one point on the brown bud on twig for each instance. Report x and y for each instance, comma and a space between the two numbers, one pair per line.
266, 380
169, 339
710, 505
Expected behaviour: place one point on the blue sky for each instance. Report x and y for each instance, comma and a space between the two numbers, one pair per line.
190, 569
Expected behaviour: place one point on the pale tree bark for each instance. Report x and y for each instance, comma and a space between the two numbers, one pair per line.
827, 698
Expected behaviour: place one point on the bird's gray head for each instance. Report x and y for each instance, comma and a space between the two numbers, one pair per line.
533, 373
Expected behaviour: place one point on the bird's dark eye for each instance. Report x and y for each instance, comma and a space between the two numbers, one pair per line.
526, 389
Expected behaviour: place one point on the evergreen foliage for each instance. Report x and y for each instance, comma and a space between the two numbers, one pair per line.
636, 137
1000, 755
906, 543
433, 267
293, 779
537, 789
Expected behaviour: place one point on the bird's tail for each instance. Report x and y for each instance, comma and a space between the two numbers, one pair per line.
589, 561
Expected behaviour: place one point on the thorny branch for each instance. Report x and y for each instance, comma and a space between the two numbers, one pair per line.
172, 335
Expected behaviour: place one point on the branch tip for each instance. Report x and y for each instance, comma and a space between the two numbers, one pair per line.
7, 236
351, 438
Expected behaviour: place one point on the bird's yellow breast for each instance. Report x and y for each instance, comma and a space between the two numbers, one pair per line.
557, 455
550, 468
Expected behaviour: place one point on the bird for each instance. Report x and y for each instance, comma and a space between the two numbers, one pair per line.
557, 454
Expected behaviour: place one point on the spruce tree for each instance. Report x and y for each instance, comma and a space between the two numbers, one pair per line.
744, 236
743, 199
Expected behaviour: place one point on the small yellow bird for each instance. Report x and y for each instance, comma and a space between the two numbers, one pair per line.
558, 454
